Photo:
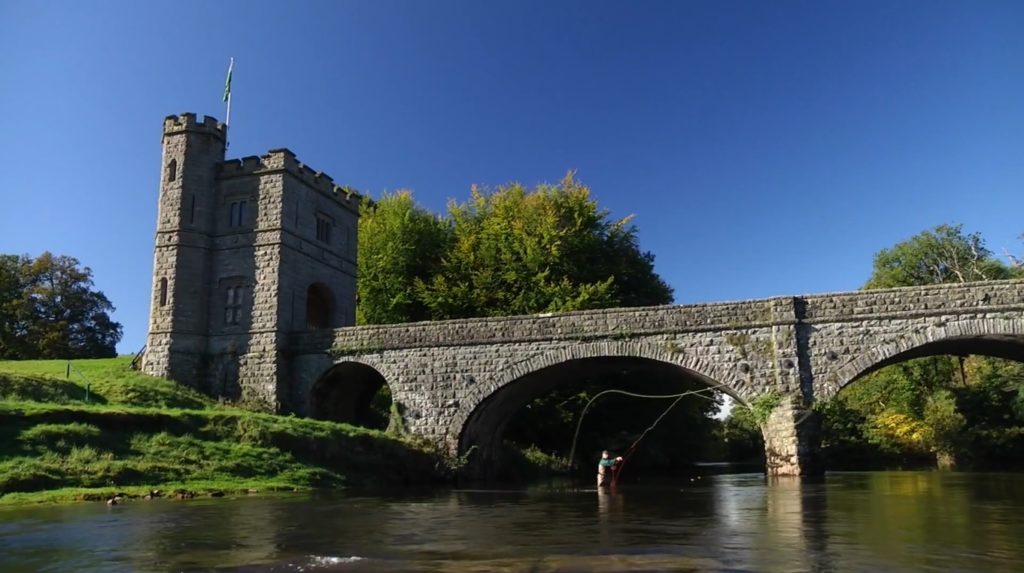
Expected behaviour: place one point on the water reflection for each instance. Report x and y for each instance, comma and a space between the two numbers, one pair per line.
863, 522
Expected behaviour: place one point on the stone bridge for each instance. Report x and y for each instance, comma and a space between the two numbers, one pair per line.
459, 382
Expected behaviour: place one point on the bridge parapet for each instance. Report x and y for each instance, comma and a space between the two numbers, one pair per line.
908, 302
581, 325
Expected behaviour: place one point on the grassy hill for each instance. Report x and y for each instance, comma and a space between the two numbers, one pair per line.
108, 429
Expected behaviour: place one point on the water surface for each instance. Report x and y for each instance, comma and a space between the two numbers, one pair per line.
879, 521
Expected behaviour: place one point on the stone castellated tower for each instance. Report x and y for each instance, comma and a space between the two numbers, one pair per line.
248, 252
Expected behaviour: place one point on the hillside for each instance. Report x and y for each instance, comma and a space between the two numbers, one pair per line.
108, 429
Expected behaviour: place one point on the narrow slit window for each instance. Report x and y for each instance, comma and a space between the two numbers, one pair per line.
237, 214
192, 210
172, 170
163, 291
323, 229
233, 305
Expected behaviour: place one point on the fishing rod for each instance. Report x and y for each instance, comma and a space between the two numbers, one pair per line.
678, 397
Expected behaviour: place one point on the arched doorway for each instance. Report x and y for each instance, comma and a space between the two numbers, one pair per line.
319, 307
353, 393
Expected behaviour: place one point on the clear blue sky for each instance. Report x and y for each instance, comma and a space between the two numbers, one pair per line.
766, 148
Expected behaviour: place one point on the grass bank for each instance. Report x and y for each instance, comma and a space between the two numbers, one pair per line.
108, 429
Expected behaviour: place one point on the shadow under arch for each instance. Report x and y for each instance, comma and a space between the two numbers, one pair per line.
996, 339
482, 427
346, 393
319, 307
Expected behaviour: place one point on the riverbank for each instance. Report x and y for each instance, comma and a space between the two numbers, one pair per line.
107, 429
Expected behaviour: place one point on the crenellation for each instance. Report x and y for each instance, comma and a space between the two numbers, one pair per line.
186, 122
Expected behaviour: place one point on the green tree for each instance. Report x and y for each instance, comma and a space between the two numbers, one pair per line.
944, 254
54, 310
551, 249
506, 252
923, 406
13, 307
400, 245
945, 424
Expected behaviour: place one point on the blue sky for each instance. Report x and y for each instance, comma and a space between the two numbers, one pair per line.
766, 148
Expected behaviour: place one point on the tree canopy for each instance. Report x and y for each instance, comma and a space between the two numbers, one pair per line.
509, 251
944, 254
400, 246
938, 406
49, 309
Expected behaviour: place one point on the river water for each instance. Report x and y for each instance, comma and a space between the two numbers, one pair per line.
876, 521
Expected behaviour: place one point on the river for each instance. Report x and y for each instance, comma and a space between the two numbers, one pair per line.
874, 521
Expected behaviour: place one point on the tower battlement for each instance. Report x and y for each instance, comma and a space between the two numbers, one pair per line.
248, 251
188, 122
283, 159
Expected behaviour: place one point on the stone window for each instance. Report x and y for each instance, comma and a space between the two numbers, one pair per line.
233, 303
237, 217
192, 210
163, 291
323, 228
172, 170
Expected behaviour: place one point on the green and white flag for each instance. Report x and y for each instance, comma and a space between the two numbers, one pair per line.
227, 81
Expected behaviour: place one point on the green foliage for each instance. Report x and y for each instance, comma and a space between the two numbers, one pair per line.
944, 254
944, 422
400, 245
48, 309
740, 435
944, 407
761, 408
506, 252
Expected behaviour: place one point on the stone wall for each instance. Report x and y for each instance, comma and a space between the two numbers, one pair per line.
446, 374
266, 259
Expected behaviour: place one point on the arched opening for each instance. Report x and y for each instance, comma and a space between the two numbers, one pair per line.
172, 170
532, 420
950, 401
319, 307
353, 393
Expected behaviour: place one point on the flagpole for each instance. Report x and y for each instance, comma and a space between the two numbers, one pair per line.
227, 93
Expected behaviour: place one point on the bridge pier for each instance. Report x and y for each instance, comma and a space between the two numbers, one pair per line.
792, 440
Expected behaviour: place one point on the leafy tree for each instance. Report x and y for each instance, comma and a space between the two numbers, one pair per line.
51, 310
940, 255
400, 244
548, 250
741, 435
941, 405
944, 423
12, 305
506, 252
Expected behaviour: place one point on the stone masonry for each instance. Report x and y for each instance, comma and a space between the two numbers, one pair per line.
453, 379
247, 251
254, 272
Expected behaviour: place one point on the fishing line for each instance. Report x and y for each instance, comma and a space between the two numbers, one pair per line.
629, 451
579, 423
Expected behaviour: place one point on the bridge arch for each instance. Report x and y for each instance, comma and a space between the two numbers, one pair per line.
482, 419
995, 337
345, 393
